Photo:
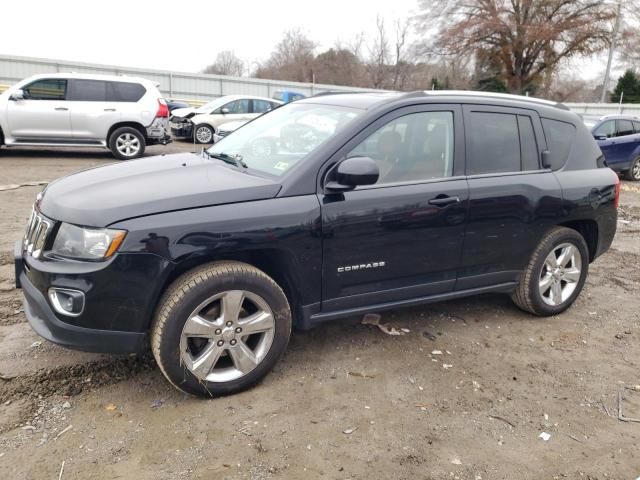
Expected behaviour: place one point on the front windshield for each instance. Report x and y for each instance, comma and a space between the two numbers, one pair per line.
208, 107
276, 141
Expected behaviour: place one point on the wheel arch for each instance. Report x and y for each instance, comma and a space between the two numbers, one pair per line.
276, 263
136, 125
589, 230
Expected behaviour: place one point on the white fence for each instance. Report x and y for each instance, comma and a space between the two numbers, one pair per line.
605, 108
178, 85
198, 87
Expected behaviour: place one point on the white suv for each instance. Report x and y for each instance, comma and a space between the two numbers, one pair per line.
123, 114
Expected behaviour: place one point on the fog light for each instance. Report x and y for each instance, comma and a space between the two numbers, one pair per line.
67, 301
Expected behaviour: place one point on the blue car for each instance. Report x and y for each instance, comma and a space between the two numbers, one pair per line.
619, 139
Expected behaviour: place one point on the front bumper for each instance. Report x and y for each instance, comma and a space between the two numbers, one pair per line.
116, 320
183, 130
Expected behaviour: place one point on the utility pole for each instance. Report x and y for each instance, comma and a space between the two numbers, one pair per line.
612, 46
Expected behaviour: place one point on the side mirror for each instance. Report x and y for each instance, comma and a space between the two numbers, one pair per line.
224, 111
600, 137
546, 159
351, 173
17, 95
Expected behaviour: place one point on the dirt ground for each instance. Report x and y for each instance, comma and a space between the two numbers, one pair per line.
465, 394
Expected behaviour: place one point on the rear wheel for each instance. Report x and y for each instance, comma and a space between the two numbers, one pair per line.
203, 134
126, 143
633, 173
220, 329
555, 275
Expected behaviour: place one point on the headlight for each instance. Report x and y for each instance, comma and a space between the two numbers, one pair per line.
87, 243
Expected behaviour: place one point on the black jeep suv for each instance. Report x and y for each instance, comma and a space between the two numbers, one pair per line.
324, 208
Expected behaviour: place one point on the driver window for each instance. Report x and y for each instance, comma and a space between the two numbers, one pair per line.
607, 129
238, 106
46, 89
418, 146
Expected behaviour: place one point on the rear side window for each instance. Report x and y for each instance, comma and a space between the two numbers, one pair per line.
46, 89
500, 142
559, 137
625, 127
87, 91
636, 126
125, 92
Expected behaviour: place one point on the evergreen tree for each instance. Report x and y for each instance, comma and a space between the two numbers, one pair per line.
628, 87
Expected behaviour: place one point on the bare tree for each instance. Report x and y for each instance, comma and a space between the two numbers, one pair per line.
378, 53
226, 63
527, 37
292, 59
401, 65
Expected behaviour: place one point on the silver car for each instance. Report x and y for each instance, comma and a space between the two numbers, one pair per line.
123, 114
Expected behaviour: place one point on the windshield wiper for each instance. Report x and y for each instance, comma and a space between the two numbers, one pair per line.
230, 159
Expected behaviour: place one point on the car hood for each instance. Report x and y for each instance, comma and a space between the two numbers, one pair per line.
101, 196
182, 112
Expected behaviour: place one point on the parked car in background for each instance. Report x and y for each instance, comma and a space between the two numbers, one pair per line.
618, 137
123, 114
287, 96
202, 123
226, 128
175, 104
362, 203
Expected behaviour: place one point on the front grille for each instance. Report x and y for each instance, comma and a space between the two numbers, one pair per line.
38, 230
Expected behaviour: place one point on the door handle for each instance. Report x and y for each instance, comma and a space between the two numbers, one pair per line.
62, 109
109, 109
444, 201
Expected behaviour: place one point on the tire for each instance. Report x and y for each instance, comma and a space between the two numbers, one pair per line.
203, 134
191, 321
633, 173
532, 293
126, 143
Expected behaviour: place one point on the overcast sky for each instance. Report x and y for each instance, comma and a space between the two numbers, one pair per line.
186, 35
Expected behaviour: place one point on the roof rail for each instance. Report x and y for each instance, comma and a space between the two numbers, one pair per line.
505, 96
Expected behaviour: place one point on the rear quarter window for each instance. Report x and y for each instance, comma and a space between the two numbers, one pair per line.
560, 137
125, 92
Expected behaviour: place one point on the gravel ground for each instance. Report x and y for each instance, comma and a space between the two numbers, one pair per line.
465, 394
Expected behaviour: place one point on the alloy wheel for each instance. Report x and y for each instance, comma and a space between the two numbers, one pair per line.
560, 274
204, 135
128, 144
227, 336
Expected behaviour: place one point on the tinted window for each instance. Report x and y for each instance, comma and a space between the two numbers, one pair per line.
494, 143
87, 90
238, 106
48, 89
261, 106
607, 129
625, 127
636, 126
125, 92
559, 137
418, 146
528, 145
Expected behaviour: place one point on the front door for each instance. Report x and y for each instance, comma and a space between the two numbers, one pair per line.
401, 238
43, 114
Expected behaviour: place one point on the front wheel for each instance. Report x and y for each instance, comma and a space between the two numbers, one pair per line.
555, 274
220, 329
126, 143
203, 134
633, 173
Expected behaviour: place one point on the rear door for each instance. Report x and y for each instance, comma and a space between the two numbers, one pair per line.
43, 114
92, 112
512, 199
402, 237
